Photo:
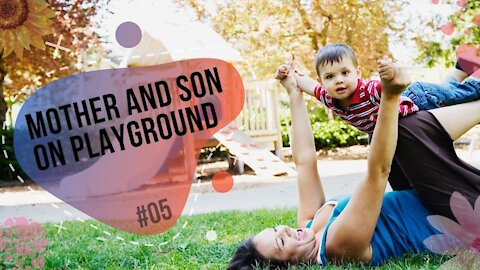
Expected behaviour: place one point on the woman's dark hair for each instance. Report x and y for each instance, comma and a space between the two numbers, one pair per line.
247, 257
333, 53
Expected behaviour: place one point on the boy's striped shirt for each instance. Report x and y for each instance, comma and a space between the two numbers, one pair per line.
363, 107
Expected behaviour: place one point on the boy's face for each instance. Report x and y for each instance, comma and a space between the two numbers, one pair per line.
340, 79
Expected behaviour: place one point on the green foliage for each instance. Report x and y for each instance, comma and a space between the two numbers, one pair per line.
336, 133
209, 153
326, 133
6, 173
80, 246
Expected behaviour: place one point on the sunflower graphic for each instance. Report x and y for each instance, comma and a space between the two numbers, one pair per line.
22, 24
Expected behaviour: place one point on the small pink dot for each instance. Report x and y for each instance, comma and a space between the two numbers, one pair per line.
447, 28
476, 20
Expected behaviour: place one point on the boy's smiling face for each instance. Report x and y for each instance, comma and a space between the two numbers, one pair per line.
340, 79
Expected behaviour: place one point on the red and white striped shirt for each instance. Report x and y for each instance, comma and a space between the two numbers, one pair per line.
364, 104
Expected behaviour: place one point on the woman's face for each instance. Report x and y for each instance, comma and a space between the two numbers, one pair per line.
282, 243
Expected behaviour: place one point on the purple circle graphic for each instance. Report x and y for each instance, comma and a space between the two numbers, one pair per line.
128, 34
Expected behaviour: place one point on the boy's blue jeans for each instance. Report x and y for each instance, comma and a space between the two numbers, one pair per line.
430, 96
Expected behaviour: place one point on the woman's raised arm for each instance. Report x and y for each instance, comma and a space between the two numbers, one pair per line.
311, 195
350, 234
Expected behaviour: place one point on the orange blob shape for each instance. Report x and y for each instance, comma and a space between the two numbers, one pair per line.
222, 182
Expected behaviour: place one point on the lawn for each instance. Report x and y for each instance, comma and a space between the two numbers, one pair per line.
85, 245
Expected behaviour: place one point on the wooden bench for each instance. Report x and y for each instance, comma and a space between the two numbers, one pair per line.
260, 116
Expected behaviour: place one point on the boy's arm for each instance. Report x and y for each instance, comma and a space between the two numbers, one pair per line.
306, 84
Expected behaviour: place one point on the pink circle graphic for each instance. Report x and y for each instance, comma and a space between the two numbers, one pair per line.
128, 34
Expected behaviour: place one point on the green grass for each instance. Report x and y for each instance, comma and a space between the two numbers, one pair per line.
77, 246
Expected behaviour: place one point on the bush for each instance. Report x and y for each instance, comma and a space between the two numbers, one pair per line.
336, 133
6, 174
213, 153
326, 133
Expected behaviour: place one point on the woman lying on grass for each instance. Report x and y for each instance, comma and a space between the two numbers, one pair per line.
370, 226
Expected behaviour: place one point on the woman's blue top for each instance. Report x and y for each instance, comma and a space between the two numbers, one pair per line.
401, 228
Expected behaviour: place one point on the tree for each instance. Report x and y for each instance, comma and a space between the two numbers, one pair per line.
466, 25
266, 32
26, 63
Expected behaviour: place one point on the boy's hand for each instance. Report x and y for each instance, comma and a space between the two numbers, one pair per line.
282, 72
394, 77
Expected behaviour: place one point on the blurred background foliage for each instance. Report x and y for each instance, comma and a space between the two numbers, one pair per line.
466, 22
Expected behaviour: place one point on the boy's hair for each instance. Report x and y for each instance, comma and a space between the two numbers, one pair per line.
333, 53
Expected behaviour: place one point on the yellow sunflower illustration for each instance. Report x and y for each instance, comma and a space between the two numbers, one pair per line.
23, 23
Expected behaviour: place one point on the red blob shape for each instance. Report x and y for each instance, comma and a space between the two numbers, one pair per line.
435, 1
222, 182
139, 185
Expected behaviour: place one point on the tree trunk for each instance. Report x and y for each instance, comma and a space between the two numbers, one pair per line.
3, 103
